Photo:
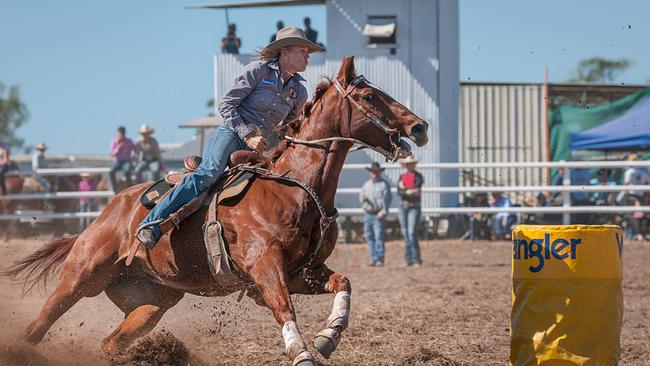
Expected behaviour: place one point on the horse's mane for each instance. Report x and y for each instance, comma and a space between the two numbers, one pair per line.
292, 128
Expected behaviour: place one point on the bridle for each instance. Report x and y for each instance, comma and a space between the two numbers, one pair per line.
393, 134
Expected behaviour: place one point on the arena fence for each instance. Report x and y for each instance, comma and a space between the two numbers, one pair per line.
566, 189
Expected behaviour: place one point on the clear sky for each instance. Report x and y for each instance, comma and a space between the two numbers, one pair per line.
86, 67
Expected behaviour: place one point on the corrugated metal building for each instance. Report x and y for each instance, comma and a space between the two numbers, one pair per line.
418, 65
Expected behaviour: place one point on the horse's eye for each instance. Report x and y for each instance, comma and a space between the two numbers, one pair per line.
368, 97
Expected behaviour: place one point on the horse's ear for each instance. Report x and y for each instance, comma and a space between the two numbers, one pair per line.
346, 73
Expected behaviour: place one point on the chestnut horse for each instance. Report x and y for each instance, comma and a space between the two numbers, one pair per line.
268, 233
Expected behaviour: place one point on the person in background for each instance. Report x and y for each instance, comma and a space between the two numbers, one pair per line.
279, 25
5, 164
86, 204
39, 161
148, 154
633, 176
231, 43
409, 189
375, 198
310, 33
502, 220
478, 222
601, 198
122, 149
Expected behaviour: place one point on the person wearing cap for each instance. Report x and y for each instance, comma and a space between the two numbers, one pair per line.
231, 43
40, 162
122, 149
5, 164
267, 92
375, 199
502, 221
409, 189
147, 153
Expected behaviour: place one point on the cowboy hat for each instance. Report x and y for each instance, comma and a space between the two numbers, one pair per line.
374, 167
41, 146
410, 160
292, 36
84, 175
145, 129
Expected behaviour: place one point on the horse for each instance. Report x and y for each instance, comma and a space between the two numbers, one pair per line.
276, 239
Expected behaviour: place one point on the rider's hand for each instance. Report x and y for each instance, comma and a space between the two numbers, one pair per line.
257, 143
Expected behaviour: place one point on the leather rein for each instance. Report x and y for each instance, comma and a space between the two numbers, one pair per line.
372, 117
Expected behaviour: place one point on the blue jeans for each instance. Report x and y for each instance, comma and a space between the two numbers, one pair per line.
224, 142
374, 233
409, 220
124, 166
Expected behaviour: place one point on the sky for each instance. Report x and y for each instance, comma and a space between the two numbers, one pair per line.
86, 67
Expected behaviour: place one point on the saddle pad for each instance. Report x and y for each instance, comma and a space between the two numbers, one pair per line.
154, 193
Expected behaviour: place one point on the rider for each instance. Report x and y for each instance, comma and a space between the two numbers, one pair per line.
5, 164
266, 93
147, 154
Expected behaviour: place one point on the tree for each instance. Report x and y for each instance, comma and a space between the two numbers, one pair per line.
210, 104
13, 114
597, 69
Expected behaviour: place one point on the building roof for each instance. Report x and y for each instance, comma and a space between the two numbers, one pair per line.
255, 4
206, 122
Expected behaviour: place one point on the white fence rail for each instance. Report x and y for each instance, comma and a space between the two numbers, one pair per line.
566, 189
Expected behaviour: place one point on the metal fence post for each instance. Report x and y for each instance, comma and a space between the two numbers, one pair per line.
566, 197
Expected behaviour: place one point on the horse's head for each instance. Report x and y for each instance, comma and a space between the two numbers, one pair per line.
376, 119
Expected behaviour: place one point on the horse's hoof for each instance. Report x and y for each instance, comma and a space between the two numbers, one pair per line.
326, 341
304, 359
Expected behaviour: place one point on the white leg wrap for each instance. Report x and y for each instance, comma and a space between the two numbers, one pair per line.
293, 342
340, 315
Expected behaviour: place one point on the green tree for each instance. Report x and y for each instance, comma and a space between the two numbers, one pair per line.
13, 114
210, 104
597, 69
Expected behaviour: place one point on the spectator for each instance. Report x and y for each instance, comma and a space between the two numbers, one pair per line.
558, 180
86, 204
5, 164
409, 189
279, 25
634, 176
375, 200
122, 149
231, 43
601, 198
40, 162
310, 33
148, 154
478, 222
502, 220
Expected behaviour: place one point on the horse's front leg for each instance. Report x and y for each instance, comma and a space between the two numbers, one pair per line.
269, 275
322, 280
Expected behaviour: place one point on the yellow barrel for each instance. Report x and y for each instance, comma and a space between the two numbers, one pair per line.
567, 300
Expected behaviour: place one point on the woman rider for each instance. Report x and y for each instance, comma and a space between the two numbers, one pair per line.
266, 93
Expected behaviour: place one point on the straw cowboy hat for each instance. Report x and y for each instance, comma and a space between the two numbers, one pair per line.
292, 36
410, 160
375, 167
84, 175
41, 147
145, 129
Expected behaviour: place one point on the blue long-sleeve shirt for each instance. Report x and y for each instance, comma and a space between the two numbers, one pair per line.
259, 98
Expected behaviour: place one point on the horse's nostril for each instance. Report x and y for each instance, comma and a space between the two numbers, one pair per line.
417, 130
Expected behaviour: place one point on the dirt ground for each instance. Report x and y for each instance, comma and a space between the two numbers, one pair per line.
455, 310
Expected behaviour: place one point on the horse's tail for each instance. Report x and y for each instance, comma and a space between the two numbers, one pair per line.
42, 264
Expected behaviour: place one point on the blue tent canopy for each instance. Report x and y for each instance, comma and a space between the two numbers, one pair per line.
629, 131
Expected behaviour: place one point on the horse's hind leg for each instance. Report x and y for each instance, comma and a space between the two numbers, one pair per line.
143, 303
269, 275
322, 280
79, 278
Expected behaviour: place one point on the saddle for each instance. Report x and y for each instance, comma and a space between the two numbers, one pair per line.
231, 186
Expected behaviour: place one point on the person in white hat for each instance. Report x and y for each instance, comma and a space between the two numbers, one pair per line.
267, 92
147, 154
409, 189
40, 162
